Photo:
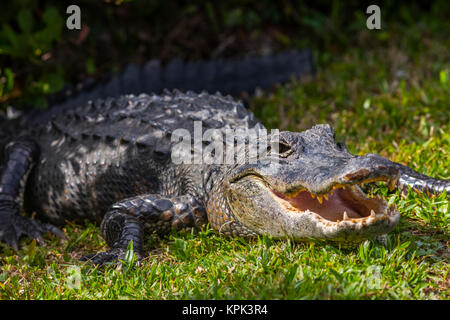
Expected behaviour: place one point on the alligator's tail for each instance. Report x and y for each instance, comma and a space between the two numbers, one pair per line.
419, 182
226, 76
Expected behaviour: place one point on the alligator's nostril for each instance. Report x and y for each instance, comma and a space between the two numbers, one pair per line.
393, 171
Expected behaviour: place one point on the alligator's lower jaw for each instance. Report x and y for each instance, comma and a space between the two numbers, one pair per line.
342, 206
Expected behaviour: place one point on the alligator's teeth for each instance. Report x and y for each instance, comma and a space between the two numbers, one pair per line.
325, 196
372, 214
313, 195
320, 198
345, 215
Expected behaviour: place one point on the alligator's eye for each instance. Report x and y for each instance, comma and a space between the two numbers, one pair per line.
284, 149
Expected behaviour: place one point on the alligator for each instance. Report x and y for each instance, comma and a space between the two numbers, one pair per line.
116, 161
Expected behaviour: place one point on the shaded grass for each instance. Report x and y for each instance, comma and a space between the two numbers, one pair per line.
205, 266
385, 99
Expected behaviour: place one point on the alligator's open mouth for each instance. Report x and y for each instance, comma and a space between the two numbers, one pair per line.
341, 203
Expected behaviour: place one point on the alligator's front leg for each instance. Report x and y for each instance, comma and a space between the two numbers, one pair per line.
21, 155
128, 219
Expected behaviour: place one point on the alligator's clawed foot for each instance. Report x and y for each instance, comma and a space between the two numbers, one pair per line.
114, 255
13, 227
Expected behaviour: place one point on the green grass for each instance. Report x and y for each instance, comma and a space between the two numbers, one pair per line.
385, 96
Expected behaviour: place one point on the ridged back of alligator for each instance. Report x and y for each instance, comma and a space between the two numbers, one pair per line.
147, 119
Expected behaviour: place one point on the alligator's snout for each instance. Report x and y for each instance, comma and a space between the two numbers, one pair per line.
371, 168
358, 175
365, 174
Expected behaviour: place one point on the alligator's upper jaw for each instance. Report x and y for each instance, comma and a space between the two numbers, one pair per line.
340, 212
341, 206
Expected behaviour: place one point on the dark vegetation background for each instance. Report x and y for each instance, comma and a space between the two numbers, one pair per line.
39, 55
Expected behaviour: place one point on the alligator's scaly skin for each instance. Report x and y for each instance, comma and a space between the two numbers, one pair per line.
110, 161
